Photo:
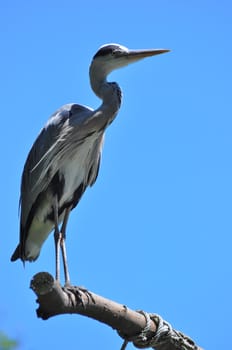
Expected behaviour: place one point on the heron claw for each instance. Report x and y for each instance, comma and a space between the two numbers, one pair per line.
76, 294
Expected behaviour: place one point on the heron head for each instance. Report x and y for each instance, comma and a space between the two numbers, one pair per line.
113, 56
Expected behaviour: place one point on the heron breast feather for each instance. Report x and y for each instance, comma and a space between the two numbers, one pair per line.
75, 168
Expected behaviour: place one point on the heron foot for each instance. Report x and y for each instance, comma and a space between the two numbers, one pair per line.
79, 295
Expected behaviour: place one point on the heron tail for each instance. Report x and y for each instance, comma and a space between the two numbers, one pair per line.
16, 255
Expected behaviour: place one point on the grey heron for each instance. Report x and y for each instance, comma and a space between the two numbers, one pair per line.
64, 159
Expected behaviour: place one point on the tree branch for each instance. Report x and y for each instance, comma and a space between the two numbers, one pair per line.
143, 329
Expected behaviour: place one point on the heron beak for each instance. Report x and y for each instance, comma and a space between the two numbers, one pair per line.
134, 55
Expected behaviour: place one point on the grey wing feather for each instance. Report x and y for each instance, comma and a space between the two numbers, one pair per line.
67, 129
39, 169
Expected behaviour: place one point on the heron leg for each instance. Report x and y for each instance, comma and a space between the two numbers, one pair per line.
57, 238
63, 247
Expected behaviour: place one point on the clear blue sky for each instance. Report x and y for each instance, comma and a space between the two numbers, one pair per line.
154, 232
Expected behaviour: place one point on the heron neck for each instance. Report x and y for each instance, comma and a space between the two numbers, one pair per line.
108, 92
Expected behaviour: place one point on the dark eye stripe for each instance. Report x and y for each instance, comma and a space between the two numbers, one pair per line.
105, 51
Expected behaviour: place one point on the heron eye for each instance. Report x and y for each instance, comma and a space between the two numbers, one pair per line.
115, 53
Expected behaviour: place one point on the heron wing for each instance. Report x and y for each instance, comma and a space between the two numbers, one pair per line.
42, 161
66, 130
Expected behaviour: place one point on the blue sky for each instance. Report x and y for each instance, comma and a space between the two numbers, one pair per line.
154, 232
